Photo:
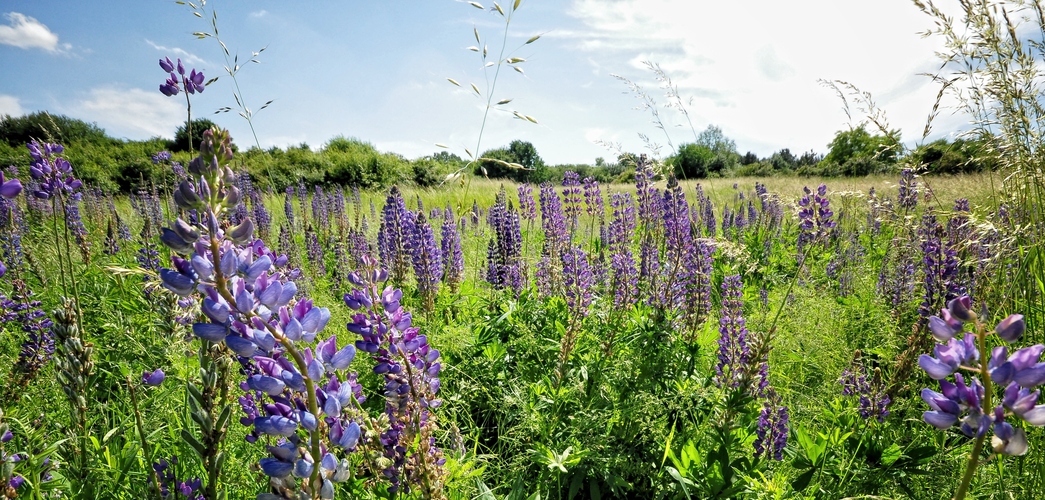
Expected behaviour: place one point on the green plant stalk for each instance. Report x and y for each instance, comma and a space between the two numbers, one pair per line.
188, 121
140, 426
977, 447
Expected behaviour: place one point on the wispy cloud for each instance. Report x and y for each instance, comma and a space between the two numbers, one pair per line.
259, 14
9, 105
186, 56
130, 112
26, 32
752, 67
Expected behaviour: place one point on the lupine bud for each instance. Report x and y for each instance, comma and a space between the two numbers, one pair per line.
959, 308
185, 231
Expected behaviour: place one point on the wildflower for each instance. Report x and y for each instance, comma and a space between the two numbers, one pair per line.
733, 350
9, 189
1014, 377
153, 378
192, 82
453, 258
772, 430
428, 263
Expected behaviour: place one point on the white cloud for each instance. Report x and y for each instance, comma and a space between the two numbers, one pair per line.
259, 14
9, 105
752, 67
186, 56
26, 32
130, 112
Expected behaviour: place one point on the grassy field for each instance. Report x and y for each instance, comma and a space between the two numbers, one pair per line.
711, 367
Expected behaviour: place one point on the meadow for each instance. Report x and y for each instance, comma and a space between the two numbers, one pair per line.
737, 337
344, 323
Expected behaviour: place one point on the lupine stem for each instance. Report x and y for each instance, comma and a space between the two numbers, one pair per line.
977, 447
141, 435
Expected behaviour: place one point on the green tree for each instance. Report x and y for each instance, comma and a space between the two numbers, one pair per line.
18, 131
693, 161
858, 152
495, 163
181, 136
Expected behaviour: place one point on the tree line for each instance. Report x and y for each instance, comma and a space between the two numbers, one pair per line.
118, 165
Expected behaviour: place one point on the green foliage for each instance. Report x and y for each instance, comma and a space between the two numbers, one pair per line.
43, 126
856, 152
519, 162
694, 161
181, 136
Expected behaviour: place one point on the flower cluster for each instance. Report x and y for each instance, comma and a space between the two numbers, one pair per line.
450, 245
969, 403
192, 82
52, 173
856, 381
410, 367
252, 306
169, 484
907, 197
772, 430
814, 215
734, 353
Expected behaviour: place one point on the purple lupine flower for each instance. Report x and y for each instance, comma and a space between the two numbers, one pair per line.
699, 259
393, 237
940, 267
192, 83
571, 198
148, 256
161, 157
38, 347
553, 221
428, 261
112, 246
250, 303
624, 276
771, 433
169, 483
707, 212
504, 259
9, 189
733, 351
52, 173
670, 285
153, 378
840, 267
647, 197
288, 205
593, 204
527, 205
907, 197
453, 258
577, 281
896, 279
12, 226
315, 251
858, 382
815, 216
76, 227
285, 244
411, 368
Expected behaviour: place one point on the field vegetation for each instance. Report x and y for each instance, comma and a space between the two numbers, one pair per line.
190, 318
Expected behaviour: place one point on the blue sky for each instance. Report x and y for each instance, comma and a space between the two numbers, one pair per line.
378, 70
